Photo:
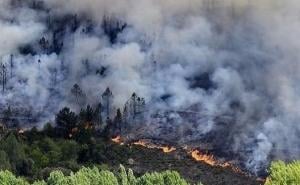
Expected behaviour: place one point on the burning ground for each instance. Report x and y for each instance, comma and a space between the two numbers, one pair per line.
219, 76
192, 164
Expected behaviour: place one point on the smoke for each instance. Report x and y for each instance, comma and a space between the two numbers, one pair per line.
222, 73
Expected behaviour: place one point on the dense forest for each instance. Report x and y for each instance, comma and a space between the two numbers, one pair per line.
77, 140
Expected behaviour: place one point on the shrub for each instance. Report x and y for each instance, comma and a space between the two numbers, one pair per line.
284, 174
164, 178
39, 183
7, 178
93, 176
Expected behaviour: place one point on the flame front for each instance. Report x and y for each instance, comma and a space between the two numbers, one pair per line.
117, 140
209, 159
197, 155
165, 149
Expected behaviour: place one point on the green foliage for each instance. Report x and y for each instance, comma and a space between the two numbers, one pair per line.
123, 176
15, 153
87, 115
56, 178
39, 183
164, 178
131, 177
284, 174
94, 176
66, 120
7, 178
13, 148
4, 161
69, 150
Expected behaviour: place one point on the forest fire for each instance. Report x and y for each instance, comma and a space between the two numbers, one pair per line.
117, 140
210, 159
197, 155
165, 149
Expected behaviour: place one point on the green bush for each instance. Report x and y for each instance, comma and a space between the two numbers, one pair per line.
164, 178
7, 178
284, 174
94, 176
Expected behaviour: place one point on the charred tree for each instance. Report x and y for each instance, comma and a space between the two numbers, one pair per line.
112, 27
3, 74
78, 94
107, 101
134, 109
11, 65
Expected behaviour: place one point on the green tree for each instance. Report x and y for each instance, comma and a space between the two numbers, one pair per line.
284, 174
66, 120
39, 183
131, 177
40, 160
4, 161
87, 115
14, 150
123, 176
48, 130
56, 178
69, 150
164, 178
7, 178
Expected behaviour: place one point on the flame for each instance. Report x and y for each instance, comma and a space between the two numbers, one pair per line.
198, 156
21, 131
117, 140
211, 160
165, 149
168, 149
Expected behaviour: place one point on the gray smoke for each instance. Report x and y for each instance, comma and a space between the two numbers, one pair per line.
222, 73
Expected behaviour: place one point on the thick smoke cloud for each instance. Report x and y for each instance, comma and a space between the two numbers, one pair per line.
221, 73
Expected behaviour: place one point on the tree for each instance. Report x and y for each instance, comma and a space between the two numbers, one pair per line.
4, 161
107, 100
48, 130
134, 109
98, 117
7, 178
107, 132
87, 116
78, 94
69, 150
25, 167
117, 123
3, 74
14, 150
66, 120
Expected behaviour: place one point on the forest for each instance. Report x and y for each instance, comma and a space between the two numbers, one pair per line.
149, 92
59, 155
75, 145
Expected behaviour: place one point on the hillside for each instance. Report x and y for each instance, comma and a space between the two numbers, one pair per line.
34, 154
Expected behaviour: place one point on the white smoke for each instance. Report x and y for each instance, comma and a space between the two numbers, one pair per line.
235, 63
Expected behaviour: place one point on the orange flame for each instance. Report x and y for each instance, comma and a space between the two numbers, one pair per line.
165, 149
168, 149
209, 159
117, 140
195, 154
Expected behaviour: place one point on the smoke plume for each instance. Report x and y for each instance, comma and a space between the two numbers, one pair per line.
225, 73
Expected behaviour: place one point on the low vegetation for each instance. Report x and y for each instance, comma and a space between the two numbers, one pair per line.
94, 176
284, 174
